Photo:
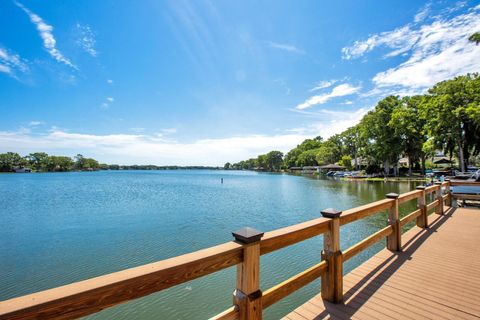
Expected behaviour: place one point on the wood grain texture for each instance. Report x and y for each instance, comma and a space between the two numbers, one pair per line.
435, 277
410, 217
365, 211
287, 236
248, 283
292, 284
432, 205
367, 242
92, 295
431, 189
229, 314
394, 240
407, 196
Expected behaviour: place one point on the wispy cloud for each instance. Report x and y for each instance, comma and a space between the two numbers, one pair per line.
45, 32
86, 39
423, 13
286, 47
35, 123
400, 40
323, 85
108, 101
11, 63
109, 81
341, 90
434, 51
329, 122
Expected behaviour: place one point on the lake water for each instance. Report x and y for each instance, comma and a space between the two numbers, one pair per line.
57, 228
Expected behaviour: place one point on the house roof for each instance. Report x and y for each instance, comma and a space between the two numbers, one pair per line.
332, 166
442, 160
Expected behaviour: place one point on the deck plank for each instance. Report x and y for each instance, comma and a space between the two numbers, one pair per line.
436, 276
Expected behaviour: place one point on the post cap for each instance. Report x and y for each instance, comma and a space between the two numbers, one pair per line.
247, 235
330, 213
420, 187
392, 195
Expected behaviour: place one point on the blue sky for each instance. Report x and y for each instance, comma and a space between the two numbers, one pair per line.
205, 82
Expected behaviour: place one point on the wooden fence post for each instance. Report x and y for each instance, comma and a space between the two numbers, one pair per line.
439, 194
448, 202
248, 296
422, 219
332, 280
394, 240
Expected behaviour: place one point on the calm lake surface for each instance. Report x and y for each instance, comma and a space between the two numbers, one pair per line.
57, 228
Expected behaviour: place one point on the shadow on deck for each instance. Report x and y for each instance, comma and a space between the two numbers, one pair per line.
436, 276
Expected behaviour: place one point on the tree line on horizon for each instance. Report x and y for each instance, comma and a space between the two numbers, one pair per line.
42, 162
446, 118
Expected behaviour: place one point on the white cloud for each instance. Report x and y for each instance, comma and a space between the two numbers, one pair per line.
11, 63
35, 123
142, 149
45, 31
323, 85
286, 47
344, 89
86, 39
329, 122
434, 52
109, 81
442, 51
423, 13
400, 40
108, 101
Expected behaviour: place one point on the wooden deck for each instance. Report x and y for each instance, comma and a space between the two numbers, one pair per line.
437, 276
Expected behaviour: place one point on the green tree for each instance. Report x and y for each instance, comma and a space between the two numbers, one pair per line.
227, 166
59, 163
475, 38
381, 143
351, 143
307, 158
408, 124
38, 160
291, 159
346, 161
450, 109
274, 160
11, 160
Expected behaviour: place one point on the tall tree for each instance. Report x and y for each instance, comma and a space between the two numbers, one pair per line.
450, 109
382, 144
408, 124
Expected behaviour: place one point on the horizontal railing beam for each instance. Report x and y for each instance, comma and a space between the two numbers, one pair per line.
410, 217
292, 284
405, 197
365, 211
89, 296
432, 205
367, 242
287, 236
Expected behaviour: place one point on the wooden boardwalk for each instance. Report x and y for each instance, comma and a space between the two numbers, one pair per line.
437, 276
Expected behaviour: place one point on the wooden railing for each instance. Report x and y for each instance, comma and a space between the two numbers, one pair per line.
93, 295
